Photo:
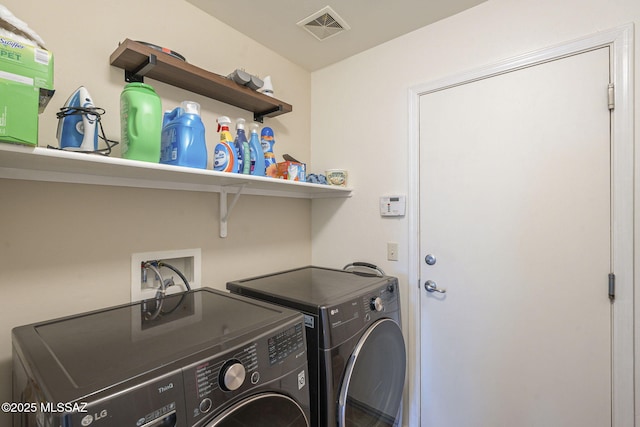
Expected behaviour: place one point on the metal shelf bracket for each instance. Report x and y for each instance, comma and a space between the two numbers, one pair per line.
259, 116
225, 209
138, 74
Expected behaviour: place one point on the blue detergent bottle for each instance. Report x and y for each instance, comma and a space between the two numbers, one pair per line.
267, 140
183, 140
256, 152
242, 148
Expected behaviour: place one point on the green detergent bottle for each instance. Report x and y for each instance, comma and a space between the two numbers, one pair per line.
140, 122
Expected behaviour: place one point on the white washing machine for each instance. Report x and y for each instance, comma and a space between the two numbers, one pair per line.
202, 358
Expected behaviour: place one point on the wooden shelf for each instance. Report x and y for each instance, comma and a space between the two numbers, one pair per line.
44, 164
134, 57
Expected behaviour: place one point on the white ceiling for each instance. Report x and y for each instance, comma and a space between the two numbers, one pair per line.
273, 24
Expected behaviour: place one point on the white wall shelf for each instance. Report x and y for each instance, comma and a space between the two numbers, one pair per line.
51, 165
44, 164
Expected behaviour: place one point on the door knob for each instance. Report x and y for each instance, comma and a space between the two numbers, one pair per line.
430, 259
431, 286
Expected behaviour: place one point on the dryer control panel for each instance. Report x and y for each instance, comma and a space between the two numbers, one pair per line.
347, 319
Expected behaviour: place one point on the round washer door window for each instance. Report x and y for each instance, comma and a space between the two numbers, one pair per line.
262, 410
371, 389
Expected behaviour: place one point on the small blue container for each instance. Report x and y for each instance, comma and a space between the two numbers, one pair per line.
183, 142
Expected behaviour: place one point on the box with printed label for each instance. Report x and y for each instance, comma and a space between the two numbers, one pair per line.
23, 63
292, 171
26, 86
18, 113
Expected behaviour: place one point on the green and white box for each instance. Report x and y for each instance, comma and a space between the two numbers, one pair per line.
26, 85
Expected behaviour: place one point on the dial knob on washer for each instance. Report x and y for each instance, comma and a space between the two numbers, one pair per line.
376, 304
232, 375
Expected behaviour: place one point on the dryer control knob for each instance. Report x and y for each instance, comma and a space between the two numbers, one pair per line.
232, 375
376, 304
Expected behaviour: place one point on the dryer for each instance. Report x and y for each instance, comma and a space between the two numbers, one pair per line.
202, 358
357, 355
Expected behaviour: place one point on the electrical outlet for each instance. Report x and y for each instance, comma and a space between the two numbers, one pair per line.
392, 251
145, 283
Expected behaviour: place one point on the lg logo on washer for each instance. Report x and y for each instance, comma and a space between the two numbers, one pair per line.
87, 420
334, 311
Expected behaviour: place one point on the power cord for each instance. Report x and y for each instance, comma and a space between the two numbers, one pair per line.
97, 114
164, 284
162, 291
178, 272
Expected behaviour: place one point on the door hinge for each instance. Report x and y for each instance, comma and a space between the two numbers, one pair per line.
611, 96
612, 286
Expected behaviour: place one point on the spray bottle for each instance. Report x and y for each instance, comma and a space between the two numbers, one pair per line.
242, 148
257, 154
224, 158
267, 141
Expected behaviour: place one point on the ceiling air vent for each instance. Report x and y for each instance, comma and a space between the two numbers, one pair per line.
324, 23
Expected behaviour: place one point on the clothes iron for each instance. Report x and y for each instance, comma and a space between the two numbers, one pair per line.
77, 130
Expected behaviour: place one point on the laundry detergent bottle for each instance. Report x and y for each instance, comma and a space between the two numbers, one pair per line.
140, 122
183, 140
256, 153
224, 157
267, 140
242, 148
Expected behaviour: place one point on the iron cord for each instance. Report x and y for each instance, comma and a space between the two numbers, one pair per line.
96, 113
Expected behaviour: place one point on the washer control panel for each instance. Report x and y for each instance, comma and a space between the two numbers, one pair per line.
228, 374
285, 343
213, 381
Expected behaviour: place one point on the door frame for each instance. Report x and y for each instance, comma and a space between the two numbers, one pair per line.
620, 41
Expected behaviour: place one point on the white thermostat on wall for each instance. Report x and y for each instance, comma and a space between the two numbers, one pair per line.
392, 205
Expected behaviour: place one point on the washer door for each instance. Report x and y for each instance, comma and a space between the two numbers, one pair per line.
262, 410
371, 389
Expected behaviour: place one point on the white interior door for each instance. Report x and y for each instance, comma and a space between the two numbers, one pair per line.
515, 207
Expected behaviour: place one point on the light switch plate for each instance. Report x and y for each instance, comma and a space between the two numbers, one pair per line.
392, 251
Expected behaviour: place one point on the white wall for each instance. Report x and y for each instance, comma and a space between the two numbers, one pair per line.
66, 248
360, 116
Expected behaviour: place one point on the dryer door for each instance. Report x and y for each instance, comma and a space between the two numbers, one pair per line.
262, 410
371, 389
